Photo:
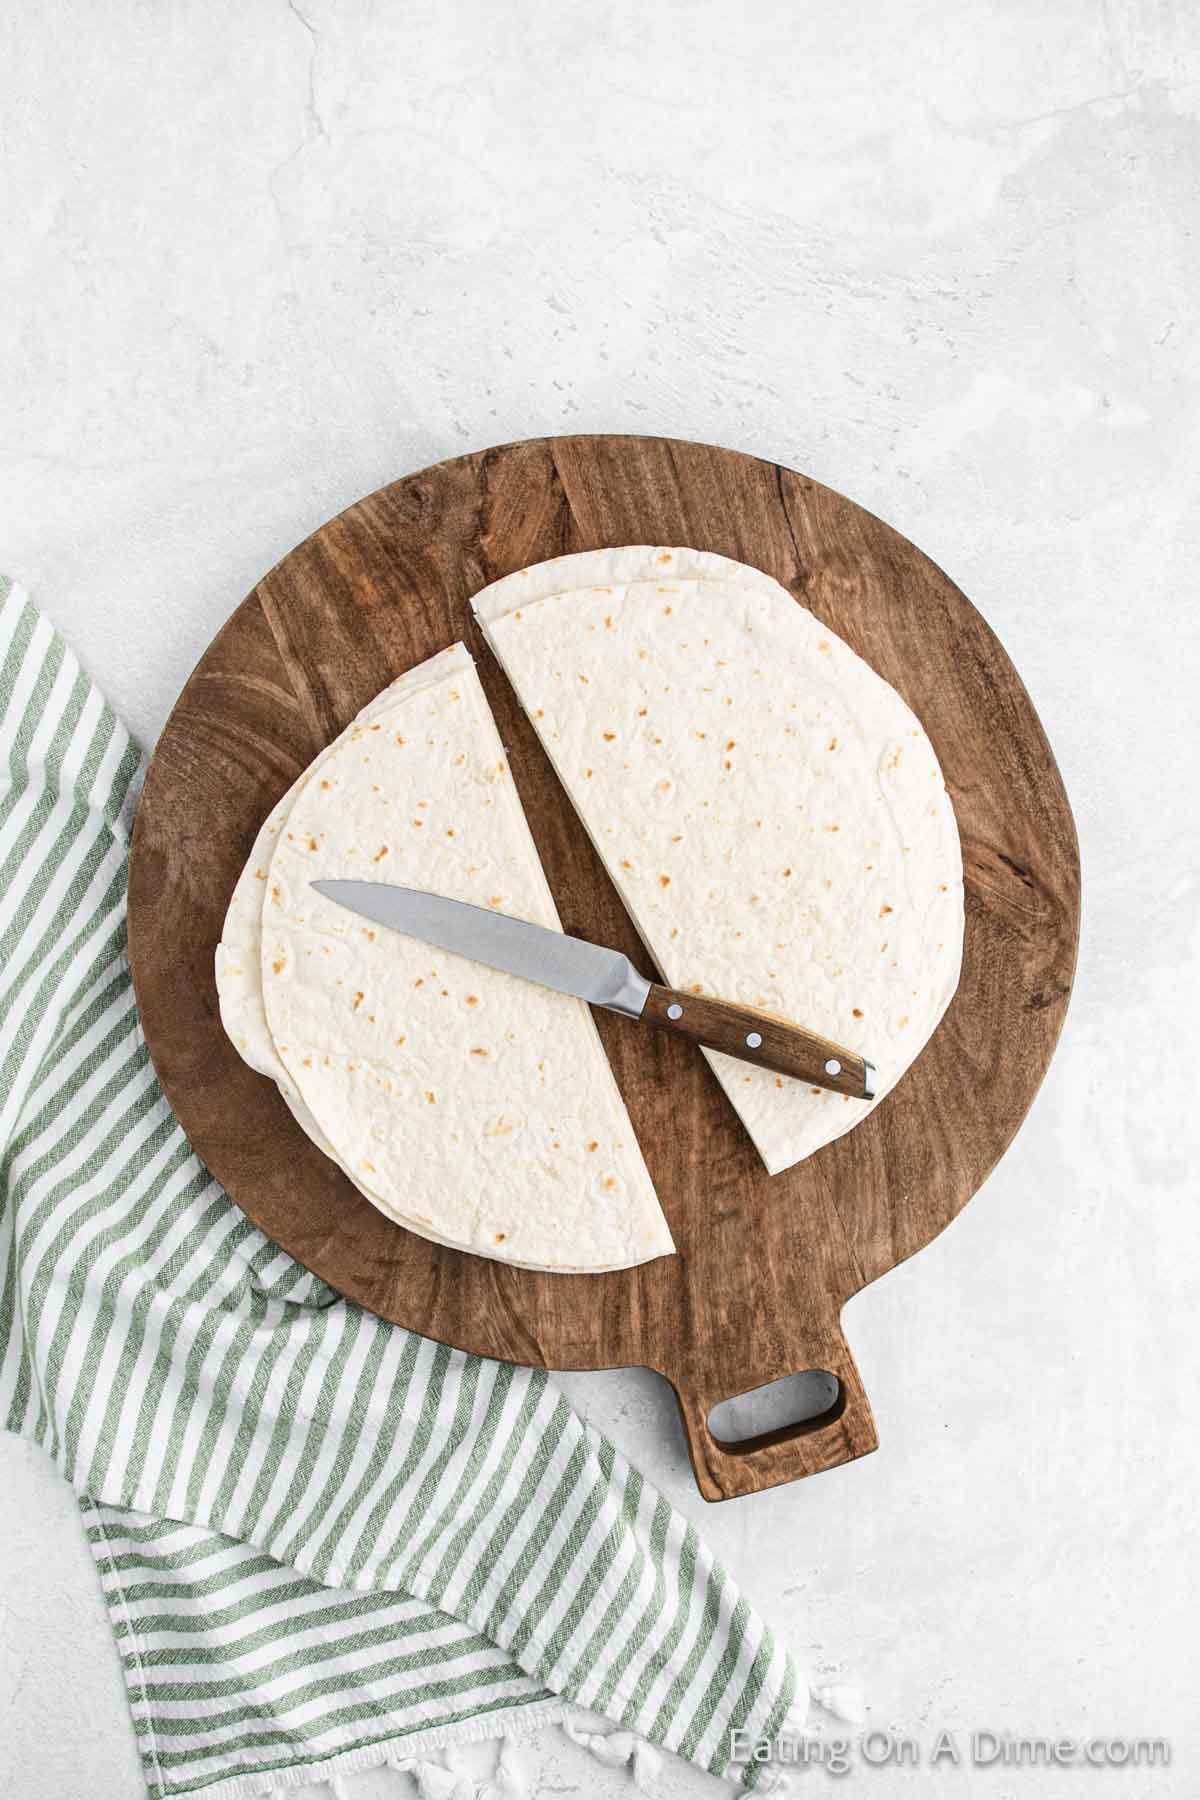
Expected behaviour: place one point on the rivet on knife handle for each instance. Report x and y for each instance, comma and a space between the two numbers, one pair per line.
758, 1037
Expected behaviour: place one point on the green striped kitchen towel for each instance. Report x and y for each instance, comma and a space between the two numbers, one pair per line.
325, 1543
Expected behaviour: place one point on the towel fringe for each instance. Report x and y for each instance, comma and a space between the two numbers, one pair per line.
448, 1780
617, 1749
434, 1780
507, 1781
273, 1784
842, 1701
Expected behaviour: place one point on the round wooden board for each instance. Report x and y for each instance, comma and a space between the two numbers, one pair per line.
764, 1264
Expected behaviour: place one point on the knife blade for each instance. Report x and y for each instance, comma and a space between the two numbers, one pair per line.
604, 977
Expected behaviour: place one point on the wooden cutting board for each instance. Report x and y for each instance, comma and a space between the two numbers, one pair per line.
765, 1264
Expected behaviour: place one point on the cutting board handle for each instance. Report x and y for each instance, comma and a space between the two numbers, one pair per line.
846, 1430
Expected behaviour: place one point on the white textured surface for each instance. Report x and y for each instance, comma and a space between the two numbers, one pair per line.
258, 259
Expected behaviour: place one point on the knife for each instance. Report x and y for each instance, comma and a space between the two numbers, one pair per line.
605, 978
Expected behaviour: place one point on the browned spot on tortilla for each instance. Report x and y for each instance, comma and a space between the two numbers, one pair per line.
500, 1237
380, 853
857, 1011
884, 910
278, 966
593, 1145
431, 1096
478, 1050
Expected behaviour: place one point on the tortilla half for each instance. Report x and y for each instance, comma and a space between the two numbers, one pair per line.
771, 812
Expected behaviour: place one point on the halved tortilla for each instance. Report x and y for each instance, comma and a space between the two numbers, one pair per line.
771, 812
477, 1109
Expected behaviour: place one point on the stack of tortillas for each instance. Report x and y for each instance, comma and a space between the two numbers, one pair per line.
770, 811
475, 1109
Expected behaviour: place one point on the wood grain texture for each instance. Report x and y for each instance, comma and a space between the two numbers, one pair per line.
756, 1037
765, 1264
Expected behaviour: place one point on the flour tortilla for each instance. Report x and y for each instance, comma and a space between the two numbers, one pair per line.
771, 812
476, 1108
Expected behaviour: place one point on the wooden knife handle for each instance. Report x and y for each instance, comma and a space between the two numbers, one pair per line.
760, 1038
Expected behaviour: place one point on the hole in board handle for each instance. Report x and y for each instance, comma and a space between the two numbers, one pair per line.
788, 1408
